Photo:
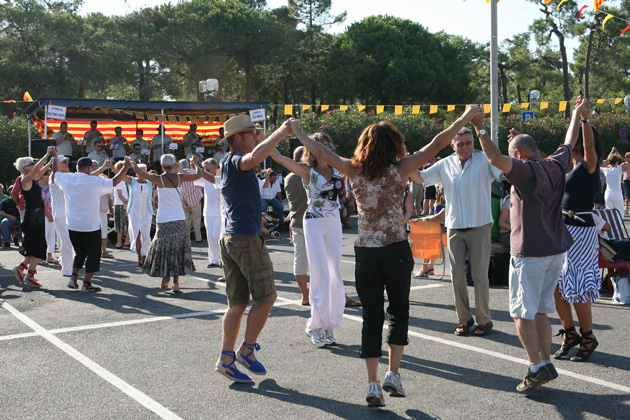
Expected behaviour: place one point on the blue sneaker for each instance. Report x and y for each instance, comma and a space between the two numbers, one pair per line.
254, 366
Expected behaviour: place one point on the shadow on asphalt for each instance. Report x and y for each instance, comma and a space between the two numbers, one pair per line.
339, 409
578, 405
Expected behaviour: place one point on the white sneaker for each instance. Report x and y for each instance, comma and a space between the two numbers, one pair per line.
393, 385
330, 338
317, 337
374, 396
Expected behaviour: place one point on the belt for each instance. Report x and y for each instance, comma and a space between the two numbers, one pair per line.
574, 214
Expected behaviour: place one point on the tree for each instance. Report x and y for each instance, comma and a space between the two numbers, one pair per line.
383, 59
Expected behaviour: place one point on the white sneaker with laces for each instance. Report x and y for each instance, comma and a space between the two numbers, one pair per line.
393, 385
330, 338
317, 337
374, 396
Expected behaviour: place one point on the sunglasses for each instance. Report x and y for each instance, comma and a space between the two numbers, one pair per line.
329, 145
30, 164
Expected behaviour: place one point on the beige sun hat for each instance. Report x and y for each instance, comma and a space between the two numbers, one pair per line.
237, 124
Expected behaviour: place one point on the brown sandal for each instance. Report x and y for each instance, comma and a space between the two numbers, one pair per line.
482, 330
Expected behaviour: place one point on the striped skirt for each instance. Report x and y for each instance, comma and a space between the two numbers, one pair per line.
580, 279
170, 253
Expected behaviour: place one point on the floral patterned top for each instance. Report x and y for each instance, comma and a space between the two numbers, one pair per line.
322, 195
378, 203
46, 197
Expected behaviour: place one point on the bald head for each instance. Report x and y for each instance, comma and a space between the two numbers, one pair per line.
525, 145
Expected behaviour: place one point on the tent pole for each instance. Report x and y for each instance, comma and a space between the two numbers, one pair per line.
29, 136
46, 123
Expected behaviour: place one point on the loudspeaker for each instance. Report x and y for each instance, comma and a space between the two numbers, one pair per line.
39, 147
294, 143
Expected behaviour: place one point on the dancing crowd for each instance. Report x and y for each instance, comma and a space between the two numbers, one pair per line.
547, 222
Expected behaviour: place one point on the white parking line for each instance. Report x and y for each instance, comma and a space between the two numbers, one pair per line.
132, 392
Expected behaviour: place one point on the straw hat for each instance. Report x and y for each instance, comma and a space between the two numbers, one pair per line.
237, 124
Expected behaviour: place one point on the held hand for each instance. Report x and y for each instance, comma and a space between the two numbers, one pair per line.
478, 121
513, 133
472, 112
294, 125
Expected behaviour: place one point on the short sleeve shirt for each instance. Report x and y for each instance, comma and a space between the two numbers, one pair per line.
270, 192
241, 195
536, 205
83, 193
65, 147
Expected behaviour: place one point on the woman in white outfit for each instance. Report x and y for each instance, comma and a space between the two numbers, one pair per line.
322, 232
211, 210
613, 172
140, 213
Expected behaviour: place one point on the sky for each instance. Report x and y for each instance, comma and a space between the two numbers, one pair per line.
468, 18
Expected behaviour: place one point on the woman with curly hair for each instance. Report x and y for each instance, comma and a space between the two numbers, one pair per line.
378, 171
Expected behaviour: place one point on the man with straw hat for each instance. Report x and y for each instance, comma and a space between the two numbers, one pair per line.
246, 263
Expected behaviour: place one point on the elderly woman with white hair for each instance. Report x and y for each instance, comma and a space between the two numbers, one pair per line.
33, 224
169, 254
140, 213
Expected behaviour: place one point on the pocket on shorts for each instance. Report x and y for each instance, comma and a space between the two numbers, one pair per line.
239, 251
261, 283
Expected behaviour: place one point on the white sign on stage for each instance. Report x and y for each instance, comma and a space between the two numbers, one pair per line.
57, 112
257, 115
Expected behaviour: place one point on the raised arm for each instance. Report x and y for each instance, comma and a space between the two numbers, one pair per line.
411, 163
574, 127
106, 165
590, 153
264, 148
121, 175
155, 179
298, 168
27, 179
491, 150
343, 165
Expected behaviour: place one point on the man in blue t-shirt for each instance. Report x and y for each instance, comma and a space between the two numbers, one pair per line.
246, 263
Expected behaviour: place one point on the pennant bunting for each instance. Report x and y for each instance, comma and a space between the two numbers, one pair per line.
172, 119
618, 101
450, 108
306, 107
468, 106
183, 119
415, 110
507, 107
544, 105
487, 108
624, 31
582, 11
606, 19
598, 3
325, 108
139, 116
105, 110
525, 105
563, 106
380, 109
398, 109
560, 4
601, 101
361, 108
161, 118
288, 110
433, 109
27, 97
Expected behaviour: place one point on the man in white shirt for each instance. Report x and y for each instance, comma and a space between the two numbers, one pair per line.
271, 195
83, 193
467, 178
159, 146
91, 136
192, 141
119, 145
64, 140
98, 154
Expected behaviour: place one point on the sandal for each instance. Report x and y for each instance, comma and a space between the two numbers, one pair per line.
18, 272
31, 278
482, 330
571, 339
106, 255
350, 302
87, 287
165, 282
463, 329
254, 366
588, 346
237, 375
424, 274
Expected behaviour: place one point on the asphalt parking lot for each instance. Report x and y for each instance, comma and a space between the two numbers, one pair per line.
133, 352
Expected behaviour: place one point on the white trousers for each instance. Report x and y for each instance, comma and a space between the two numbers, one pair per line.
140, 225
213, 233
327, 294
614, 200
49, 229
65, 246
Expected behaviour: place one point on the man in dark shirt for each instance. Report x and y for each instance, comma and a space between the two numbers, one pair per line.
246, 262
538, 239
10, 217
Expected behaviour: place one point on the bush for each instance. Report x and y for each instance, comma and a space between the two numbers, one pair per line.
14, 144
345, 127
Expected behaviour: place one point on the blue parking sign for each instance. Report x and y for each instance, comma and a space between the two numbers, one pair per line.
528, 115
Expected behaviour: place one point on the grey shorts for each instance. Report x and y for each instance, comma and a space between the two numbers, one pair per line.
532, 284
248, 269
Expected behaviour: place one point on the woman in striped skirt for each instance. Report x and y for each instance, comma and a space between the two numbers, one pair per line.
579, 281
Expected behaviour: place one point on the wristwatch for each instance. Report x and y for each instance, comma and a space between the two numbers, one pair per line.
586, 121
482, 132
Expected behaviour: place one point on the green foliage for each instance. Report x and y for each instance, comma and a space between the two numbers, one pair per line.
14, 144
345, 127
